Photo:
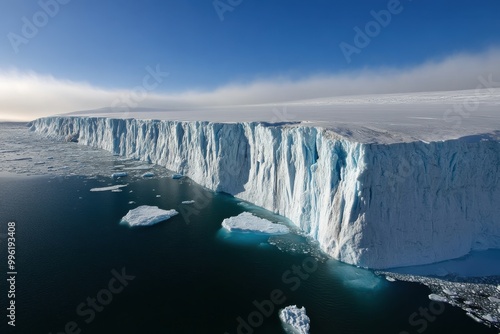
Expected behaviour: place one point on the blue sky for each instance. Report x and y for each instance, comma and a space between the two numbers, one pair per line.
109, 44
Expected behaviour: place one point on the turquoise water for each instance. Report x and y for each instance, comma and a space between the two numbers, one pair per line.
184, 275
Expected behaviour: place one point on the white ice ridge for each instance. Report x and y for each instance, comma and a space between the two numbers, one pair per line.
110, 188
246, 222
147, 215
373, 203
295, 319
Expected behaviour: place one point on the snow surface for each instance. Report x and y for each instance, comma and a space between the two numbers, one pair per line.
246, 222
381, 181
110, 188
295, 319
147, 215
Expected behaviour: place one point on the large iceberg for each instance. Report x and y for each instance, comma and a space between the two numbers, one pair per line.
145, 215
406, 187
295, 320
246, 222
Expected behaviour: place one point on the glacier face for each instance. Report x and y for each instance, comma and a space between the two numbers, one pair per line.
368, 204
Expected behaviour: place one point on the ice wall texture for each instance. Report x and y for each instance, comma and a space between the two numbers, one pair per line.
368, 204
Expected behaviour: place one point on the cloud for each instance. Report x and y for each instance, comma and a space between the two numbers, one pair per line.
26, 96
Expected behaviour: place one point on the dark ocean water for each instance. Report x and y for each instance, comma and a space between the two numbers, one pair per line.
80, 271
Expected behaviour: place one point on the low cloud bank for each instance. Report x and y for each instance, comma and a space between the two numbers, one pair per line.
26, 96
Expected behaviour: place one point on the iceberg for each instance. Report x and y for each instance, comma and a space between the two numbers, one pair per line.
391, 182
119, 174
295, 320
438, 298
246, 222
145, 215
110, 188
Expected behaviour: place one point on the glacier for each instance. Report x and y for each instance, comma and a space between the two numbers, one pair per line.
369, 196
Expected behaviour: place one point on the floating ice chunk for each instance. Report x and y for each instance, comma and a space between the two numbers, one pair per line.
131, 202
390, 279
494, 299
110, 188
147, 215
246, 222
295, 320
449, 292
116, 190
437, 298
476, 319
490, 318
138, 168
148, 174
187, 202
158, 196
177, 176
119, 174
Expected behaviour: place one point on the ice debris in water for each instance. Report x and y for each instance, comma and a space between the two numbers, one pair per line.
145, 215
110, 188
295, 320
246, 222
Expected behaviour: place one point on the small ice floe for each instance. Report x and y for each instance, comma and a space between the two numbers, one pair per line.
449, 292
146, 215
437, 298
476, 319
490, 318
148, 174
119, 174
295, 320
116, 191
187, 202
494, 300
131, 202
158, 196
143, 167
110, 188
390, 279
177, 176
246, 222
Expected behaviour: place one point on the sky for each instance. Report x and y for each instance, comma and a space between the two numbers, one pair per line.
66, 55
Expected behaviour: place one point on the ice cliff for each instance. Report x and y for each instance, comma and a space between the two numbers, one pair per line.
375, 205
